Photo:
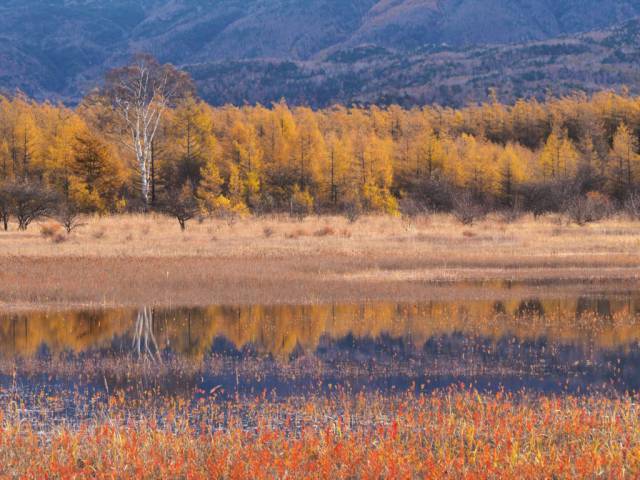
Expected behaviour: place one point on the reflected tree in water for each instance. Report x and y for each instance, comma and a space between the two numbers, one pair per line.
600, 306
530, 308
144, 340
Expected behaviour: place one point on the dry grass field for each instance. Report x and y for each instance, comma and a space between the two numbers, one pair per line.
132, 260
139, 428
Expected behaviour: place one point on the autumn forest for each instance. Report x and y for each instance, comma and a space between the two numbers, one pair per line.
565, 153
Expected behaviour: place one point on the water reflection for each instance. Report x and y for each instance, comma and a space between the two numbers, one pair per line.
143, 335
571, 344
281, 330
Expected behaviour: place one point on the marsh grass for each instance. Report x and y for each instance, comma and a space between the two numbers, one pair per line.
452, 433
145, 259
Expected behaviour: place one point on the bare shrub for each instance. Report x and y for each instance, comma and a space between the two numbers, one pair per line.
410, 208
325, 231
353, 213
466, 210
632, 206
30, 201
411, 211
69, 216
53, 231
544, 198
181, 204
5, 205
512, 214
589, 208
230, 218
50, 229
432, 194
301, 203
60, 237
227, 216
297, 233
268, 232
352, 209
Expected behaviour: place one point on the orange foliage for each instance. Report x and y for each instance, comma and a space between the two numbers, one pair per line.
457, 433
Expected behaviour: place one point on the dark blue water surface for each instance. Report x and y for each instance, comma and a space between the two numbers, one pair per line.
578, 343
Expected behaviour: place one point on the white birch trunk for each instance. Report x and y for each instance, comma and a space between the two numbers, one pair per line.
141, 107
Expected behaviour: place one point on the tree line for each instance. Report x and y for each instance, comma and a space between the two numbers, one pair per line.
144, 141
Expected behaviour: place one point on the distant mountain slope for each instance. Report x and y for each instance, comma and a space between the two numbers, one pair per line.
450, 76
60, 48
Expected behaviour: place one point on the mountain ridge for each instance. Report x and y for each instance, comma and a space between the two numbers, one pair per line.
59, 49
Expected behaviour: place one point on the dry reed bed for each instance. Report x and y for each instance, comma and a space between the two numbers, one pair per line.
131, 260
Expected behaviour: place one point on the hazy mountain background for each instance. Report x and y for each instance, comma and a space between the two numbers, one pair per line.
319, 52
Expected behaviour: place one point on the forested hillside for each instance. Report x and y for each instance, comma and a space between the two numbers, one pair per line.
321, 52
451, 76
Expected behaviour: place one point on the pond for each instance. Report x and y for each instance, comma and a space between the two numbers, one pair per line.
582, 342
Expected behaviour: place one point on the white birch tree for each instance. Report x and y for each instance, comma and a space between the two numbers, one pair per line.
140, 93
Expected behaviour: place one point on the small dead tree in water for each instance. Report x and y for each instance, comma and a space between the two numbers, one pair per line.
140, 93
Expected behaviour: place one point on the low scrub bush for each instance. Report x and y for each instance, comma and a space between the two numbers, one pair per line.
468, 211
589, 208
297, 233
632, 206
326, 231
268, 232
50, 229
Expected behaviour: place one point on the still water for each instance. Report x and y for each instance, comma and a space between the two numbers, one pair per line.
578, 343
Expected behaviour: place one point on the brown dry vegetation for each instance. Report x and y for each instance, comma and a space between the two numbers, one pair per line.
132, 260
